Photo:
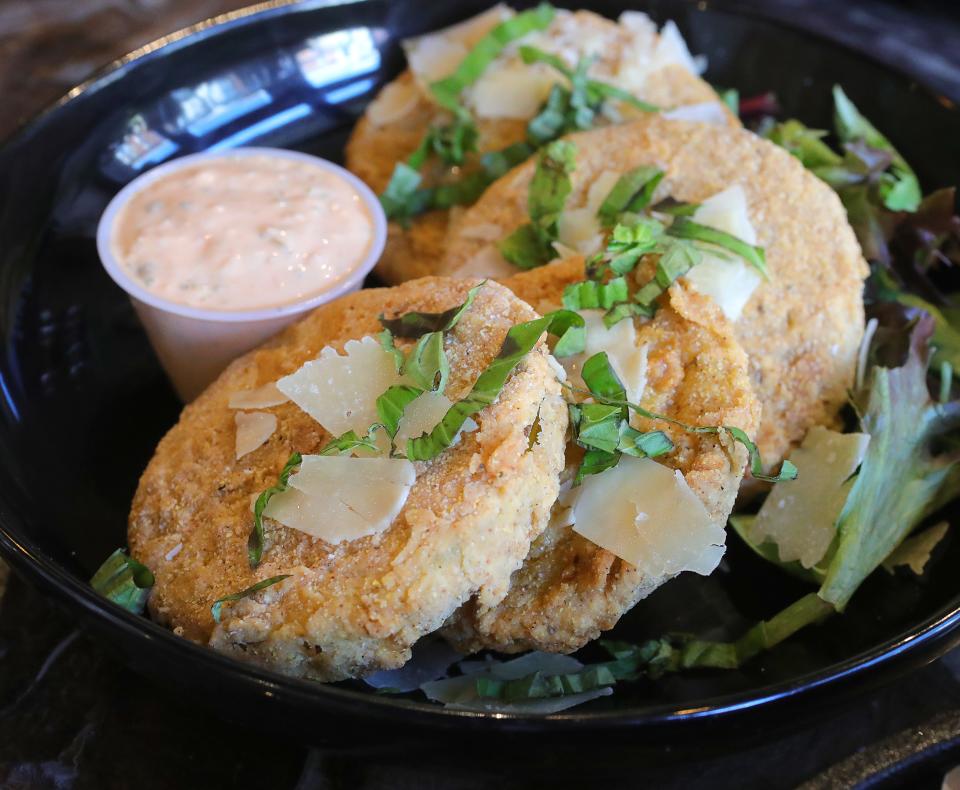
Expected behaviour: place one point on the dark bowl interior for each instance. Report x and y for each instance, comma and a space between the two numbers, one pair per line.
83, 401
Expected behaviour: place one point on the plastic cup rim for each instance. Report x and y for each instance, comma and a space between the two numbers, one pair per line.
112, 266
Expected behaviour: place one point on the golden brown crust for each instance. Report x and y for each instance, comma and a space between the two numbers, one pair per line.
569, 589
802, 328
358, 606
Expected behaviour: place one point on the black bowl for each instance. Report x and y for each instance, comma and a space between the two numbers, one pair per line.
83, 401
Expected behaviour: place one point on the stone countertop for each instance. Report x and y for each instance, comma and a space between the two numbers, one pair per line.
72, 716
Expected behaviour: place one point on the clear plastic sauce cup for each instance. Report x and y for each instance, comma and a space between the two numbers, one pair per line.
193, 344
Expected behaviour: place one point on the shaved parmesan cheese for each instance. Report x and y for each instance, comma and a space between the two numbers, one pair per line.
914, 553
396, 100
600, 188
340, 392
727, 279
799, 515
420, 416
646, 514
727, 210
672, 49
436, 55
629, 361
253, 429
512, 90
703, 112
638, 23
338, 498
579, 229
260, 398
557, 368
488, 262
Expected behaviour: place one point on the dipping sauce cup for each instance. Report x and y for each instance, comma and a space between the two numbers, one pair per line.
195, 343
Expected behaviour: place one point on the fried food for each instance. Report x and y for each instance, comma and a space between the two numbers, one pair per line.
375, 148
801, 329
358, 606
569, 589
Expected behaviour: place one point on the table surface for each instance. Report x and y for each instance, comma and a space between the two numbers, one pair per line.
72, 716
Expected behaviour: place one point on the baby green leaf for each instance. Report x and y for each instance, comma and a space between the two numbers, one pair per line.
124, 581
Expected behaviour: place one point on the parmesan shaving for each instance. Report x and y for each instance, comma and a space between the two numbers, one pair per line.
253, 430
338, 498
340, 391
513, 90
799, 515
629, 361
727, 279
646, 514
436, 55
260, 398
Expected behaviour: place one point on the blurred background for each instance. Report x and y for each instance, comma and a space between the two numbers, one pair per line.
48, 46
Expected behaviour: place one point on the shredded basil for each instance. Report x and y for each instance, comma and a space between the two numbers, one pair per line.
604, 385
531, 245
124, 581
596, 91
255, 541
385, 338
677, 257
603, 428
447, 91
684, 228
632, 192
427, 363
590, 294
520, 340
414, 325
392, 404
215, 609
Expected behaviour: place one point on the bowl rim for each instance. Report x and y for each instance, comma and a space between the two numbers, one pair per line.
932, 632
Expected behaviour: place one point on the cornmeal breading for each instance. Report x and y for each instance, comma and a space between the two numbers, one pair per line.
358, 606
569, 589
802, 328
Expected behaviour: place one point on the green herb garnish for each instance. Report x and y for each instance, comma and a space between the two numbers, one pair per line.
124, 581
215, 609
414, 325
590, 294
596, 91
447, 91
599, 376
255, 541
684, 228
632, 192
519, 341
531, 245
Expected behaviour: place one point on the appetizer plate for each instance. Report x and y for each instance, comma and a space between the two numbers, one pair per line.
83, 401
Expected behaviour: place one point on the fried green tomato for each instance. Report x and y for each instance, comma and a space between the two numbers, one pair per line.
376, 146
569, 589
358, 606
801, 328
